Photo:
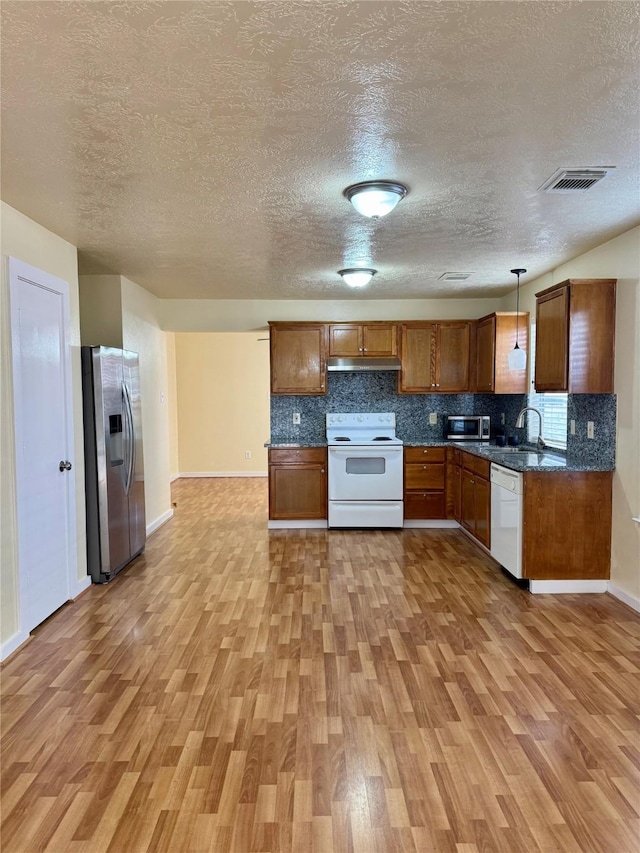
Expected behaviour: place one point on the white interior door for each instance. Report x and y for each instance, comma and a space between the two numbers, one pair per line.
45, 482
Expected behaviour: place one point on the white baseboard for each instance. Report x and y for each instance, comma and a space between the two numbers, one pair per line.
14, 642
431, 523
316, 524
174, 477
223, 474
623, 596
158, 522
567, 586
79, 587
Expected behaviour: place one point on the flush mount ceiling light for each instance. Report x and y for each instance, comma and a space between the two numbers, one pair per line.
517, 358
375, 198
357, 277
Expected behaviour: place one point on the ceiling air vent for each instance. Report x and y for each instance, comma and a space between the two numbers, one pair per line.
455, 276
575, 180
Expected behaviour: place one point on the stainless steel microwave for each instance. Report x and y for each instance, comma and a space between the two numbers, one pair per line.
468, 427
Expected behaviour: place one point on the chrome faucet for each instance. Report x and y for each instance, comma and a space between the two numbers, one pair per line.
540, 445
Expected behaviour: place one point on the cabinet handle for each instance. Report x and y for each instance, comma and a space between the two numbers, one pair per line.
322, 470
424, 467
364, 349
438, 385
425, 451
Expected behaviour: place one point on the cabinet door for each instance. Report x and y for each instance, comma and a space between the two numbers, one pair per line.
482, 510
298, 491
467, 501
345, 339
452, 361
417, 346
457, 493
486, 353
380, 340
298, 359
552, 341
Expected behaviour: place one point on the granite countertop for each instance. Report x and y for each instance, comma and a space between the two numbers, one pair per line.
524, 458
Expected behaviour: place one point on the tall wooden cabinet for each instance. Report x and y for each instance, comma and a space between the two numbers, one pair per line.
435, 357
496, 337
575, 331
298, 358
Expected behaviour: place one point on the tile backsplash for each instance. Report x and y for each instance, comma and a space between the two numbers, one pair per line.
376, 392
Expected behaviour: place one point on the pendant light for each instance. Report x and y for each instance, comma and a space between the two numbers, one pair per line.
517, 357
375, 198
357, 277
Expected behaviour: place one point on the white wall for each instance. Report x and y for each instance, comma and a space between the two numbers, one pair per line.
223, 402
244, 315
24, 239
141, 333
619, 258
172, 403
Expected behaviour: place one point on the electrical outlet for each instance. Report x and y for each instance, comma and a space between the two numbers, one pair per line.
572, 427
502, 419
247, 454
296, 417
590, 430
433, 418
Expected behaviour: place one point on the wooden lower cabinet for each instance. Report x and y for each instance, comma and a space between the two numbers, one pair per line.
424, 483
475, 497
567, 525
454, 483
297, 483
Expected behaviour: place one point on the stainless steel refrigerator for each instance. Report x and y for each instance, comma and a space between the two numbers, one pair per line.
114, 475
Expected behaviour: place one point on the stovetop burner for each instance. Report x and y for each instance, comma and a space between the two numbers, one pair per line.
381, 438
342, 438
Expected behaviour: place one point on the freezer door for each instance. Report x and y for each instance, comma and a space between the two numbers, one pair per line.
134, 462
110, 421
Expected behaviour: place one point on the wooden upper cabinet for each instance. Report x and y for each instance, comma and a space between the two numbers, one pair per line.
496, 337
552, 341
452, 356
363, 339
298, 358
575, 336
417, 353
435, 357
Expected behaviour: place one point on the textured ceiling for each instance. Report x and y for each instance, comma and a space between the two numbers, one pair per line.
201, 148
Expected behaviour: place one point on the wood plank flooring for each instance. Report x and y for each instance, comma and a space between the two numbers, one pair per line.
320, 692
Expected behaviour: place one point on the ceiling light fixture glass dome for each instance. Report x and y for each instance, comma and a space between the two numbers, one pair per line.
357, 277
375, 198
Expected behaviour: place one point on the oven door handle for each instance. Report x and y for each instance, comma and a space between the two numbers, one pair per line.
376, 452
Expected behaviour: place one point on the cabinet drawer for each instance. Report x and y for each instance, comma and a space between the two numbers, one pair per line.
297, 454
427, 476
424, 505
424, 454
476, 465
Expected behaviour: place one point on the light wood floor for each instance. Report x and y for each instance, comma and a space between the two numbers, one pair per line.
243, 690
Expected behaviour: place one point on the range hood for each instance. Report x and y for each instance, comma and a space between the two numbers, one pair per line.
362, 363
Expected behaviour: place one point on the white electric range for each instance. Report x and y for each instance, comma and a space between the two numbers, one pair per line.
365, 470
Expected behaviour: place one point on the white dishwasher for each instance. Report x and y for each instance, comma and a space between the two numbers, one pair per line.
506, 518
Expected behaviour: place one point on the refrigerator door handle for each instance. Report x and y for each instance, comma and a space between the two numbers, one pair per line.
129, 438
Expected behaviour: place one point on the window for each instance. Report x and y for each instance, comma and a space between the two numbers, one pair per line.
552, 407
